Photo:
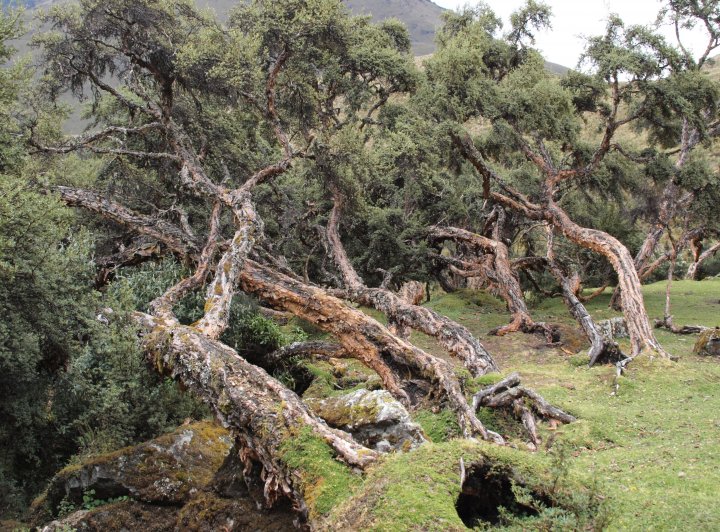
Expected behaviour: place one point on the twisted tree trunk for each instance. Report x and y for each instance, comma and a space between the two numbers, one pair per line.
245, 399
504, 276
363, 337
692, 272
601, 348
641, 334
454, 337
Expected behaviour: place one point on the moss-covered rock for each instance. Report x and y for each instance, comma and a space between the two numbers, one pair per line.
191, 479
708, 343
126, 515
374, 418
209, 512
168, 470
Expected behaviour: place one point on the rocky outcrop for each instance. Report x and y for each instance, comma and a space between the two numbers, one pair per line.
168, 470
374, 418
191, 479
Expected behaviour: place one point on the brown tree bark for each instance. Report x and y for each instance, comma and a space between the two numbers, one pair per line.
641, 334
247, 400
452, 336
692, 272
177, 240
505, 278
363, 337
601, 349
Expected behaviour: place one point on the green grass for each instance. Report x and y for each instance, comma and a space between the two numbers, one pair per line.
655, 445
653, 448
325, 481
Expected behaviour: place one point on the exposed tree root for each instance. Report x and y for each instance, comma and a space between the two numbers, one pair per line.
527, 405
525, 324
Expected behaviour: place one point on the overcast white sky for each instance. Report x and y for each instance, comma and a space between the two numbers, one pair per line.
574, 18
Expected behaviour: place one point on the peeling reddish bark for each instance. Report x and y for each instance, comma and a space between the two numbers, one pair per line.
505, 279
454, 337
245, 399
641, 334
705, 255
363, 337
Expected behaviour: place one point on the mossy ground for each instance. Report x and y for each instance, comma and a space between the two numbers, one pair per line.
325, 481
654, 447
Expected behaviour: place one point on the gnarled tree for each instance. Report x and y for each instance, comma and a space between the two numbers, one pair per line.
211, 116
530, 152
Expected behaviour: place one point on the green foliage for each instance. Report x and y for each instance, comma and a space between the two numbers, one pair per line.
89, 502
46, 304
379, 135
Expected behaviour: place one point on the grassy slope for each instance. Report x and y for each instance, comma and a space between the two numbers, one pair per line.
656, 445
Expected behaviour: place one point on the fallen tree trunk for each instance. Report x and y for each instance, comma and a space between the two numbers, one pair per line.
457, 339
363, 337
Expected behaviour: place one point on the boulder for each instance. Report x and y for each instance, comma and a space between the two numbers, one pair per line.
708, 343
191, 479
122, 516
374, 418
167, 470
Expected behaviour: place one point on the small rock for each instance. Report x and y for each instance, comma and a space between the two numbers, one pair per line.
708, 343
383, 446
681, 474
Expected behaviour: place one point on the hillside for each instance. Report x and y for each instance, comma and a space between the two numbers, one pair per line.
420, 16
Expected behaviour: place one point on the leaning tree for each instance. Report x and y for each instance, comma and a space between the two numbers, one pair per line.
194, 124
532, 144
679, 114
